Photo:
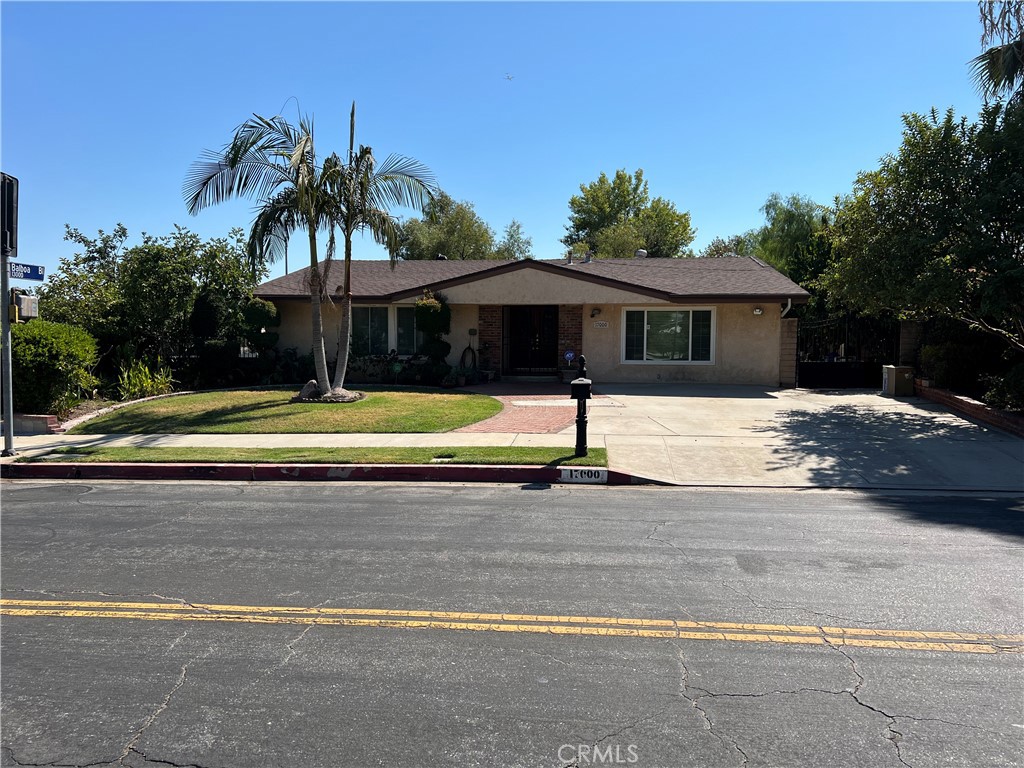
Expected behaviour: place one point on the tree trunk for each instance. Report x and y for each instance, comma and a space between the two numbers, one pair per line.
319, 355
344, 343
345, 330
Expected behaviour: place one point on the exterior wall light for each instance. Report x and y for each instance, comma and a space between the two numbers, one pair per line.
595, 312
758, 311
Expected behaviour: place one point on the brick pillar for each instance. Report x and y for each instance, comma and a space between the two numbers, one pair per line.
570, 330
787, 352
489, 330
910, 341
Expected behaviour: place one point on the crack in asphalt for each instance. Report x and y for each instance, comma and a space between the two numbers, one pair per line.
651, 537
96, 764
684, 688
161, 708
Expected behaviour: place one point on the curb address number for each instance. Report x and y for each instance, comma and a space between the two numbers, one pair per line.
584, 475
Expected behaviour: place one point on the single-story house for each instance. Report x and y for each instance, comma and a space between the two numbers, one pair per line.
715, 320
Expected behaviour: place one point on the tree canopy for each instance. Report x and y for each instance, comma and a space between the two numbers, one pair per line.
614, 217
448, 228
737, 245
454, 230
794, 238
145, 297
938, 228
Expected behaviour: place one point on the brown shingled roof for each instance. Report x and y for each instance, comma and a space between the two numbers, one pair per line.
729, 278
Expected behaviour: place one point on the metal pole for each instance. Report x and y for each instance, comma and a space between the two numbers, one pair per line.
8, 397
581, 427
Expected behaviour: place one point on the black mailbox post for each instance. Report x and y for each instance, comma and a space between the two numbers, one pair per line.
580, 392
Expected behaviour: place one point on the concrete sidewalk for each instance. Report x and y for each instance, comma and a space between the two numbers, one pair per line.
709, 436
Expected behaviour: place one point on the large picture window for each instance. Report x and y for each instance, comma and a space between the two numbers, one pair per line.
668, 336
369, 331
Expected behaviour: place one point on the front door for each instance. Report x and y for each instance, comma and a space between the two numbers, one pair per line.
531, 340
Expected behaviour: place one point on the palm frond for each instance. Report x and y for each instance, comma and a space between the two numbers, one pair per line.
274, 224
249, 166
999, 70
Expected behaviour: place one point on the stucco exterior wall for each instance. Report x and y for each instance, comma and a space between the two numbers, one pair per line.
528, 286
296, 328
745, 348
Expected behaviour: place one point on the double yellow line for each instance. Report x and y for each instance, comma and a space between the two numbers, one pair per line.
600, 626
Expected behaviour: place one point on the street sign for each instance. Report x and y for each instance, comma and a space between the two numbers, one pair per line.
20, 271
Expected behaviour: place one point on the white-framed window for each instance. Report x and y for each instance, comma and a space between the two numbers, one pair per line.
369, 331
674, 335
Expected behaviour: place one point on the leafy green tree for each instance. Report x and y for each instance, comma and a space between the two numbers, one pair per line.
83, 291
143, 297
618, 241
665, 231
737, 245
448, 228
789, 239
275, 163
514, 243
623, 205
999, 70
364, 194
603, 203
938, 228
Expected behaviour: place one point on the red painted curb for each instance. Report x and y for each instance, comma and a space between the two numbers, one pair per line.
450, 473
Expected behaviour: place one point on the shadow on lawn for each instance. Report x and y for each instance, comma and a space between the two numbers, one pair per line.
140, 420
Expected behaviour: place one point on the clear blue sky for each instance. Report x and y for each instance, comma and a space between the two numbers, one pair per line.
104, 105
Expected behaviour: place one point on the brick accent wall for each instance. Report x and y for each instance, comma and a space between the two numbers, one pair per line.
489, 335
966, 406
787, 351
570, 330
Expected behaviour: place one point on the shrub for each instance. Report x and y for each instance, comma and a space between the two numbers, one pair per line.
1007, 391
434, 320
137, 380
52, 365
289, 367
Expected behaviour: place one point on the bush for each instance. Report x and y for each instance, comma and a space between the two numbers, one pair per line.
52, 365
289, 367
1007, 391
137, 380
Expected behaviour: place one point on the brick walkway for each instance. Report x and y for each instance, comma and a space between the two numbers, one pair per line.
532, 419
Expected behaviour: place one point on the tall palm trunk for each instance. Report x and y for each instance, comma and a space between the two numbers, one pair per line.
319, 355
345, 330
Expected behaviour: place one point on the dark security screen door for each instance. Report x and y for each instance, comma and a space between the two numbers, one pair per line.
531, 334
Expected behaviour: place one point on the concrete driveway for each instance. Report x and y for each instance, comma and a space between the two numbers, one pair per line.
749, 436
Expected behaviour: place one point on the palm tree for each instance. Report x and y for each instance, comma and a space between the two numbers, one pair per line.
274, 162
999, 71
364, 193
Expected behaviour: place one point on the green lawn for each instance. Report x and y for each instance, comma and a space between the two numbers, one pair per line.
531, 456
270, 411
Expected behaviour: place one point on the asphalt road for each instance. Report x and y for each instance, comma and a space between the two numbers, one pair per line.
149, 625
